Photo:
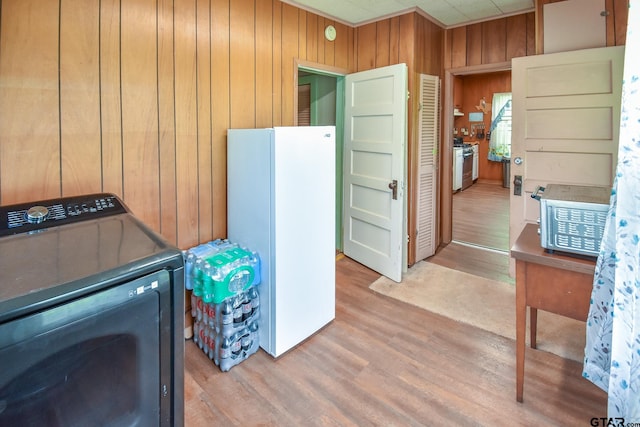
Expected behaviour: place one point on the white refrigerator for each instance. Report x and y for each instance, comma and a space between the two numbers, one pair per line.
281, 204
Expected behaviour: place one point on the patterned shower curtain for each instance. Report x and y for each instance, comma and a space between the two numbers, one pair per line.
612, 351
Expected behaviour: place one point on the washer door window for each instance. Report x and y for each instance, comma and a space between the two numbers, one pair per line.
93, 361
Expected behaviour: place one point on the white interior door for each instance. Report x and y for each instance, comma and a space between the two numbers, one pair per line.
375, 133
566, 120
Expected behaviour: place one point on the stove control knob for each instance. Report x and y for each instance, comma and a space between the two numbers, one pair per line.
37, 214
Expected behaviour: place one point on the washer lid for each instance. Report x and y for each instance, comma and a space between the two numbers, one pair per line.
78, 258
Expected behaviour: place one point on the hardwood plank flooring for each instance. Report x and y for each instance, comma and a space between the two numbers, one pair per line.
384, 362
480, 216
474, 260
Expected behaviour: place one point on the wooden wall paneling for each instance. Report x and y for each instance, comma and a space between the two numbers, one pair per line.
422, 47
420, 52
140, 110
432, 57
407, 54
610, 22
203, 97
458, 47
353, 50
365, 50
474, 44
290, 32
343, 46
531, 33
494, 41
476, 87
29, 101
264, 64
458, 93
394, 40
314, 27
448, 41
383, 37
167, 128
110, 106
277, 62
516, 36
302, 34
407, 42
80, 97
186, 139
320, 40
620, 22
329, 47
220, 121
242, 63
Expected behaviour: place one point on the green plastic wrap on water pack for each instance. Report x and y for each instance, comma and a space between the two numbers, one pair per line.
220, 269
230, 272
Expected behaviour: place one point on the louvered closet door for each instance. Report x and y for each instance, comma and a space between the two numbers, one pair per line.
428, 143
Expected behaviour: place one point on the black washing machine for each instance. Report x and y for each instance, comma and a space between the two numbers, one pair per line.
91, 317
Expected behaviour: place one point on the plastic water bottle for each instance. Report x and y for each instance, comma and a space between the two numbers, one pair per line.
237, 312
246, 306
207, 283
246, 341
201, 336
236, 347
225, 350
255, 300
211, 311
211, 343
253, 330
226, 312
199, 308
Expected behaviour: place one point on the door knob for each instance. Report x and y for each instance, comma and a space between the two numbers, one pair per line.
517, 185
393, 185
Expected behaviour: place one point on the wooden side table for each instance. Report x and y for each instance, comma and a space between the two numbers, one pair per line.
557, 283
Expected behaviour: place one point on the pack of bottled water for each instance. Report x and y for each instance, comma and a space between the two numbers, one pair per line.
225, 303
220, 269
225, 342
231, 315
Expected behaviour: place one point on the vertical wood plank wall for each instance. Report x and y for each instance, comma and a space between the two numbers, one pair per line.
134, 97
500, 40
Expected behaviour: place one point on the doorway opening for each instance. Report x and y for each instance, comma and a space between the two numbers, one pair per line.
320, 102
479, 214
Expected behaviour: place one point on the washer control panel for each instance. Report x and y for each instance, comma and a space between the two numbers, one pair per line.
34, 216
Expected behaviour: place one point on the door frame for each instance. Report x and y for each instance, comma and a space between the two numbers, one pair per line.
446, 152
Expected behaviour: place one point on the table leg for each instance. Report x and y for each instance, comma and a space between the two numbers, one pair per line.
521, 320
533, 326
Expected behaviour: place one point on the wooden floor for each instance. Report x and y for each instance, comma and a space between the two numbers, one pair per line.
382, 362
480, 216
480, 246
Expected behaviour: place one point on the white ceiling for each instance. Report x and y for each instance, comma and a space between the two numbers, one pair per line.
448, 13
